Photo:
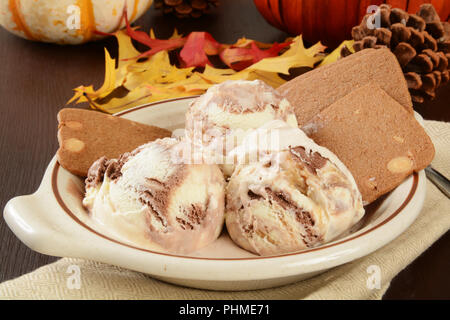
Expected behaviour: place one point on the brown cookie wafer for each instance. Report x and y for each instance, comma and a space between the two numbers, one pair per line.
375, 137
84, 136
313, 91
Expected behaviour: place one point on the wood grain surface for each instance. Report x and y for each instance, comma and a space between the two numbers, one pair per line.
37, 79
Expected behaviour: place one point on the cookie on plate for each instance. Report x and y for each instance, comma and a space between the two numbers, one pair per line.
375, 137
313, 91
85, 135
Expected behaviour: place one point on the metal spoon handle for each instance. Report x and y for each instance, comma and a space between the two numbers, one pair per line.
439, 180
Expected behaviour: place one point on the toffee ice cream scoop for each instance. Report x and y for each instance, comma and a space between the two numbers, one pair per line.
296, 195
217, 121
147, 198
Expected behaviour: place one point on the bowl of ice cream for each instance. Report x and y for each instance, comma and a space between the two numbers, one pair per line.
58, 220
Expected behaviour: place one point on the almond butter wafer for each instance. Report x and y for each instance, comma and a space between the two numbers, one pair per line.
315, 90
375, 137
85, 135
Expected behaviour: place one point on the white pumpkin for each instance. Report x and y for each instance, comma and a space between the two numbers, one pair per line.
67, 21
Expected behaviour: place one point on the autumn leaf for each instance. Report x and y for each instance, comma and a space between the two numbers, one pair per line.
126, 52
216, 75
194, 84
198, 45
335, 55
176, 35
155, 45
137, 81
138, 96
83, 94
272, 79
152, 34
79, 96
296, 56
241, 57
245, 43
110, 76
156, 70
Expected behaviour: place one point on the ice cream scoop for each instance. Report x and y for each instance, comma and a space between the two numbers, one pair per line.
295, 195
217, 121
151, 200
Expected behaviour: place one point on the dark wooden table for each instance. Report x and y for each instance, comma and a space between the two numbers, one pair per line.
37, 79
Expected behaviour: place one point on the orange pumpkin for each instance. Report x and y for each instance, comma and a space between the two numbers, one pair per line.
331, 21
66, 21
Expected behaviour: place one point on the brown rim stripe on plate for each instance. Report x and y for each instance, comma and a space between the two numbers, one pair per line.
121, 113
76, 219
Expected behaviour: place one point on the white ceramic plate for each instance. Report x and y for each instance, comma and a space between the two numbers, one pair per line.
52, 221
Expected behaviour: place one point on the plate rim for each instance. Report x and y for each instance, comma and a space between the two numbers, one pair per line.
145, 105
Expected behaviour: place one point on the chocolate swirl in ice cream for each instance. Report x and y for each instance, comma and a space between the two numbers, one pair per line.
310, 236
195, 213
312, 160
155, 195
297, 195
146, 198
96, 172
224, 114
106, 167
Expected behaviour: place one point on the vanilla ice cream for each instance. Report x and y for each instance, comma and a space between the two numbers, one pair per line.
217, 121
294, 195
149, 199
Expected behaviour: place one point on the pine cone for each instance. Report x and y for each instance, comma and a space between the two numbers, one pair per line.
186, 8
421, 43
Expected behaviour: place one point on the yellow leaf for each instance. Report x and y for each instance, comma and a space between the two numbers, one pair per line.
176, 35
272, 79
156, 70
126, 48
84, 94
244, 42
134, 98
335, 55
296, 56
134, 83
152, 34
219, 75
79, 94
194, 83
127, 53
110, 77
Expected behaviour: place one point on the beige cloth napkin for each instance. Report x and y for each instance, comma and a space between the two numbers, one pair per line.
102, 281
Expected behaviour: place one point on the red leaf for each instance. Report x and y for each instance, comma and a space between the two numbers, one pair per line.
241, 58
156, 45
212, 47
237, 58
198, 45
